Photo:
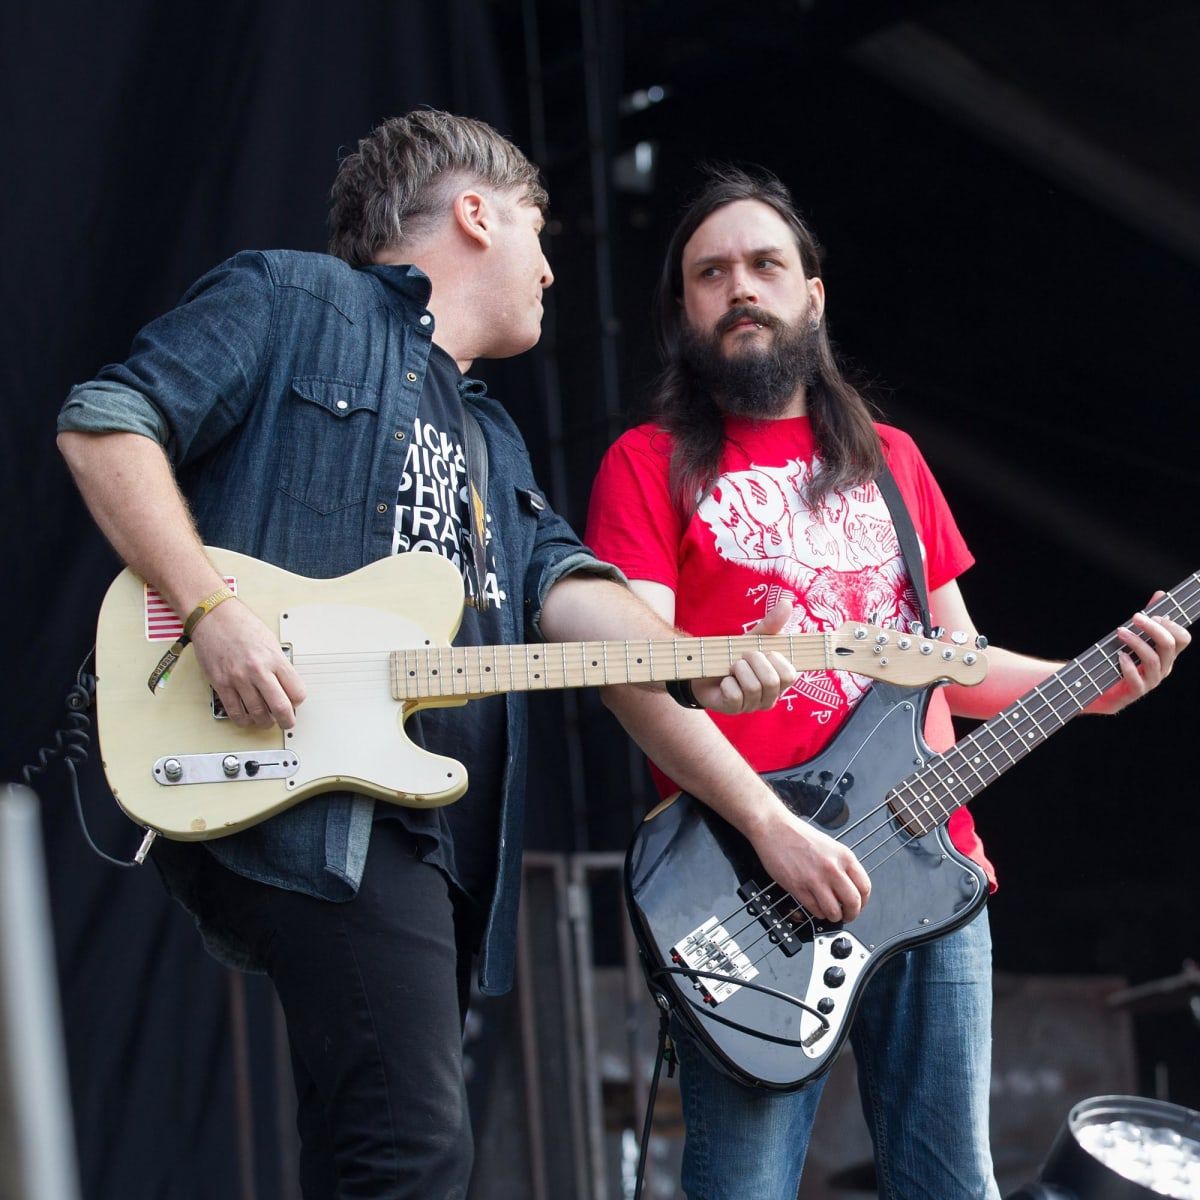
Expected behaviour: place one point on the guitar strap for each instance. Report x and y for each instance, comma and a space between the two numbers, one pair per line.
475, 449
906, 535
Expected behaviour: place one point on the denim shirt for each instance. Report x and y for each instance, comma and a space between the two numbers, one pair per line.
284, 387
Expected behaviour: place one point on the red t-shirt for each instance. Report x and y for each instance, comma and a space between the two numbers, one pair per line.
753, 540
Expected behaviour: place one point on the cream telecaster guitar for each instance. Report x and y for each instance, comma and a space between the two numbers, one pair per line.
373, 647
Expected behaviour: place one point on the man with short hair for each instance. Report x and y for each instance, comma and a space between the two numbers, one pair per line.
315, 410
754, 485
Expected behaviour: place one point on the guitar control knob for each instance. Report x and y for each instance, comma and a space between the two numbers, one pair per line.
841, 947
825, 1005
173, 770
230, 765
834, 976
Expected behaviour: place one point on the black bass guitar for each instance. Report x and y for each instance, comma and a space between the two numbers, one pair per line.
770, 991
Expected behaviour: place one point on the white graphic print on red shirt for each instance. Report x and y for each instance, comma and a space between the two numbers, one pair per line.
839, 563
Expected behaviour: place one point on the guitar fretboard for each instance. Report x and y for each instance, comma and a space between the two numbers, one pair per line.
464, 671
946, 782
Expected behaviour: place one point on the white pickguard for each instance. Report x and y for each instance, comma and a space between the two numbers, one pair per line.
349, 727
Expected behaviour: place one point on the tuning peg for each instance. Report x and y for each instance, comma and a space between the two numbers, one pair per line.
916, 628
958, 637
980, 642
937, 632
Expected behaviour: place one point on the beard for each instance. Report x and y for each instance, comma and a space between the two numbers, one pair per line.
752, 381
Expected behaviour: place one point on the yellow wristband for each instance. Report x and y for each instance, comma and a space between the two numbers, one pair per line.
203, 609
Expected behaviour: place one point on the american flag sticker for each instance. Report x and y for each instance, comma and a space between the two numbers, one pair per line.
162, 625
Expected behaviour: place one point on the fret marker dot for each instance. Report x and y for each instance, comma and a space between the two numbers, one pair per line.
595, 663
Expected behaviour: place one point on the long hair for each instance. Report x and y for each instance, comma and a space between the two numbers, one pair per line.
395, 184
846, 441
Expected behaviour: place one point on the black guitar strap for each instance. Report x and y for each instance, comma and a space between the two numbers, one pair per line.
906, 535
475, 449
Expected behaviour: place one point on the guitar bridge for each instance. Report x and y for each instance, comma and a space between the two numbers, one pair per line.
782, 918
710, 950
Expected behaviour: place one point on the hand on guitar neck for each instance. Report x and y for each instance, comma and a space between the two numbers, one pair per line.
756, 680
1151, 647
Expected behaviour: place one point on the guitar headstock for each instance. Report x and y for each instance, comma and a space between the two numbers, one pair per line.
909, 659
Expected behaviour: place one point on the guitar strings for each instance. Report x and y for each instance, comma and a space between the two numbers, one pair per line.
1046, 708
902, 836
442, 670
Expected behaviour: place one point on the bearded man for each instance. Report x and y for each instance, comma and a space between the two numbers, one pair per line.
754, 487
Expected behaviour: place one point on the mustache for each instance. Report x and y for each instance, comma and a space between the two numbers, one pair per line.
747, 312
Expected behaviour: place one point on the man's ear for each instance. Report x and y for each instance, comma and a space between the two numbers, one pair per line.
816, 297
475, 216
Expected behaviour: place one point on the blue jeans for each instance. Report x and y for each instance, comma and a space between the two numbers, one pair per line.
922, 1042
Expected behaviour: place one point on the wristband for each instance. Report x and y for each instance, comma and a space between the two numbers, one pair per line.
162, 671
203, 609
680, 690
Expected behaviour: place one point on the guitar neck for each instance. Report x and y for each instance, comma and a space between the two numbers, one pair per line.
947, 781
472, 671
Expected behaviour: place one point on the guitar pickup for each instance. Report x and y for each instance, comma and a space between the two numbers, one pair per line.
780, 916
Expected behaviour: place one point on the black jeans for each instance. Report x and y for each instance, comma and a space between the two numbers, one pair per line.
375, 991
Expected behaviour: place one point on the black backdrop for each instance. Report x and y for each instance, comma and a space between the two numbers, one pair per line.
1037, 348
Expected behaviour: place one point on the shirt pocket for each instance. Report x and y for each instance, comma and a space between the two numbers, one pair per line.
328, 442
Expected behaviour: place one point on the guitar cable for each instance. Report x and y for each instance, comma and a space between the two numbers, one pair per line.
666, 1047
71, 746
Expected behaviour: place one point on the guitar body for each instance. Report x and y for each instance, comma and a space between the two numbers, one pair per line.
349, 732
686, 865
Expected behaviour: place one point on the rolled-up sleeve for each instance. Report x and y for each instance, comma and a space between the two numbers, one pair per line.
558, 553
192, 373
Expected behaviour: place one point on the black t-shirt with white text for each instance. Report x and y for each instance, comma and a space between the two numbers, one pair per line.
432, 514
